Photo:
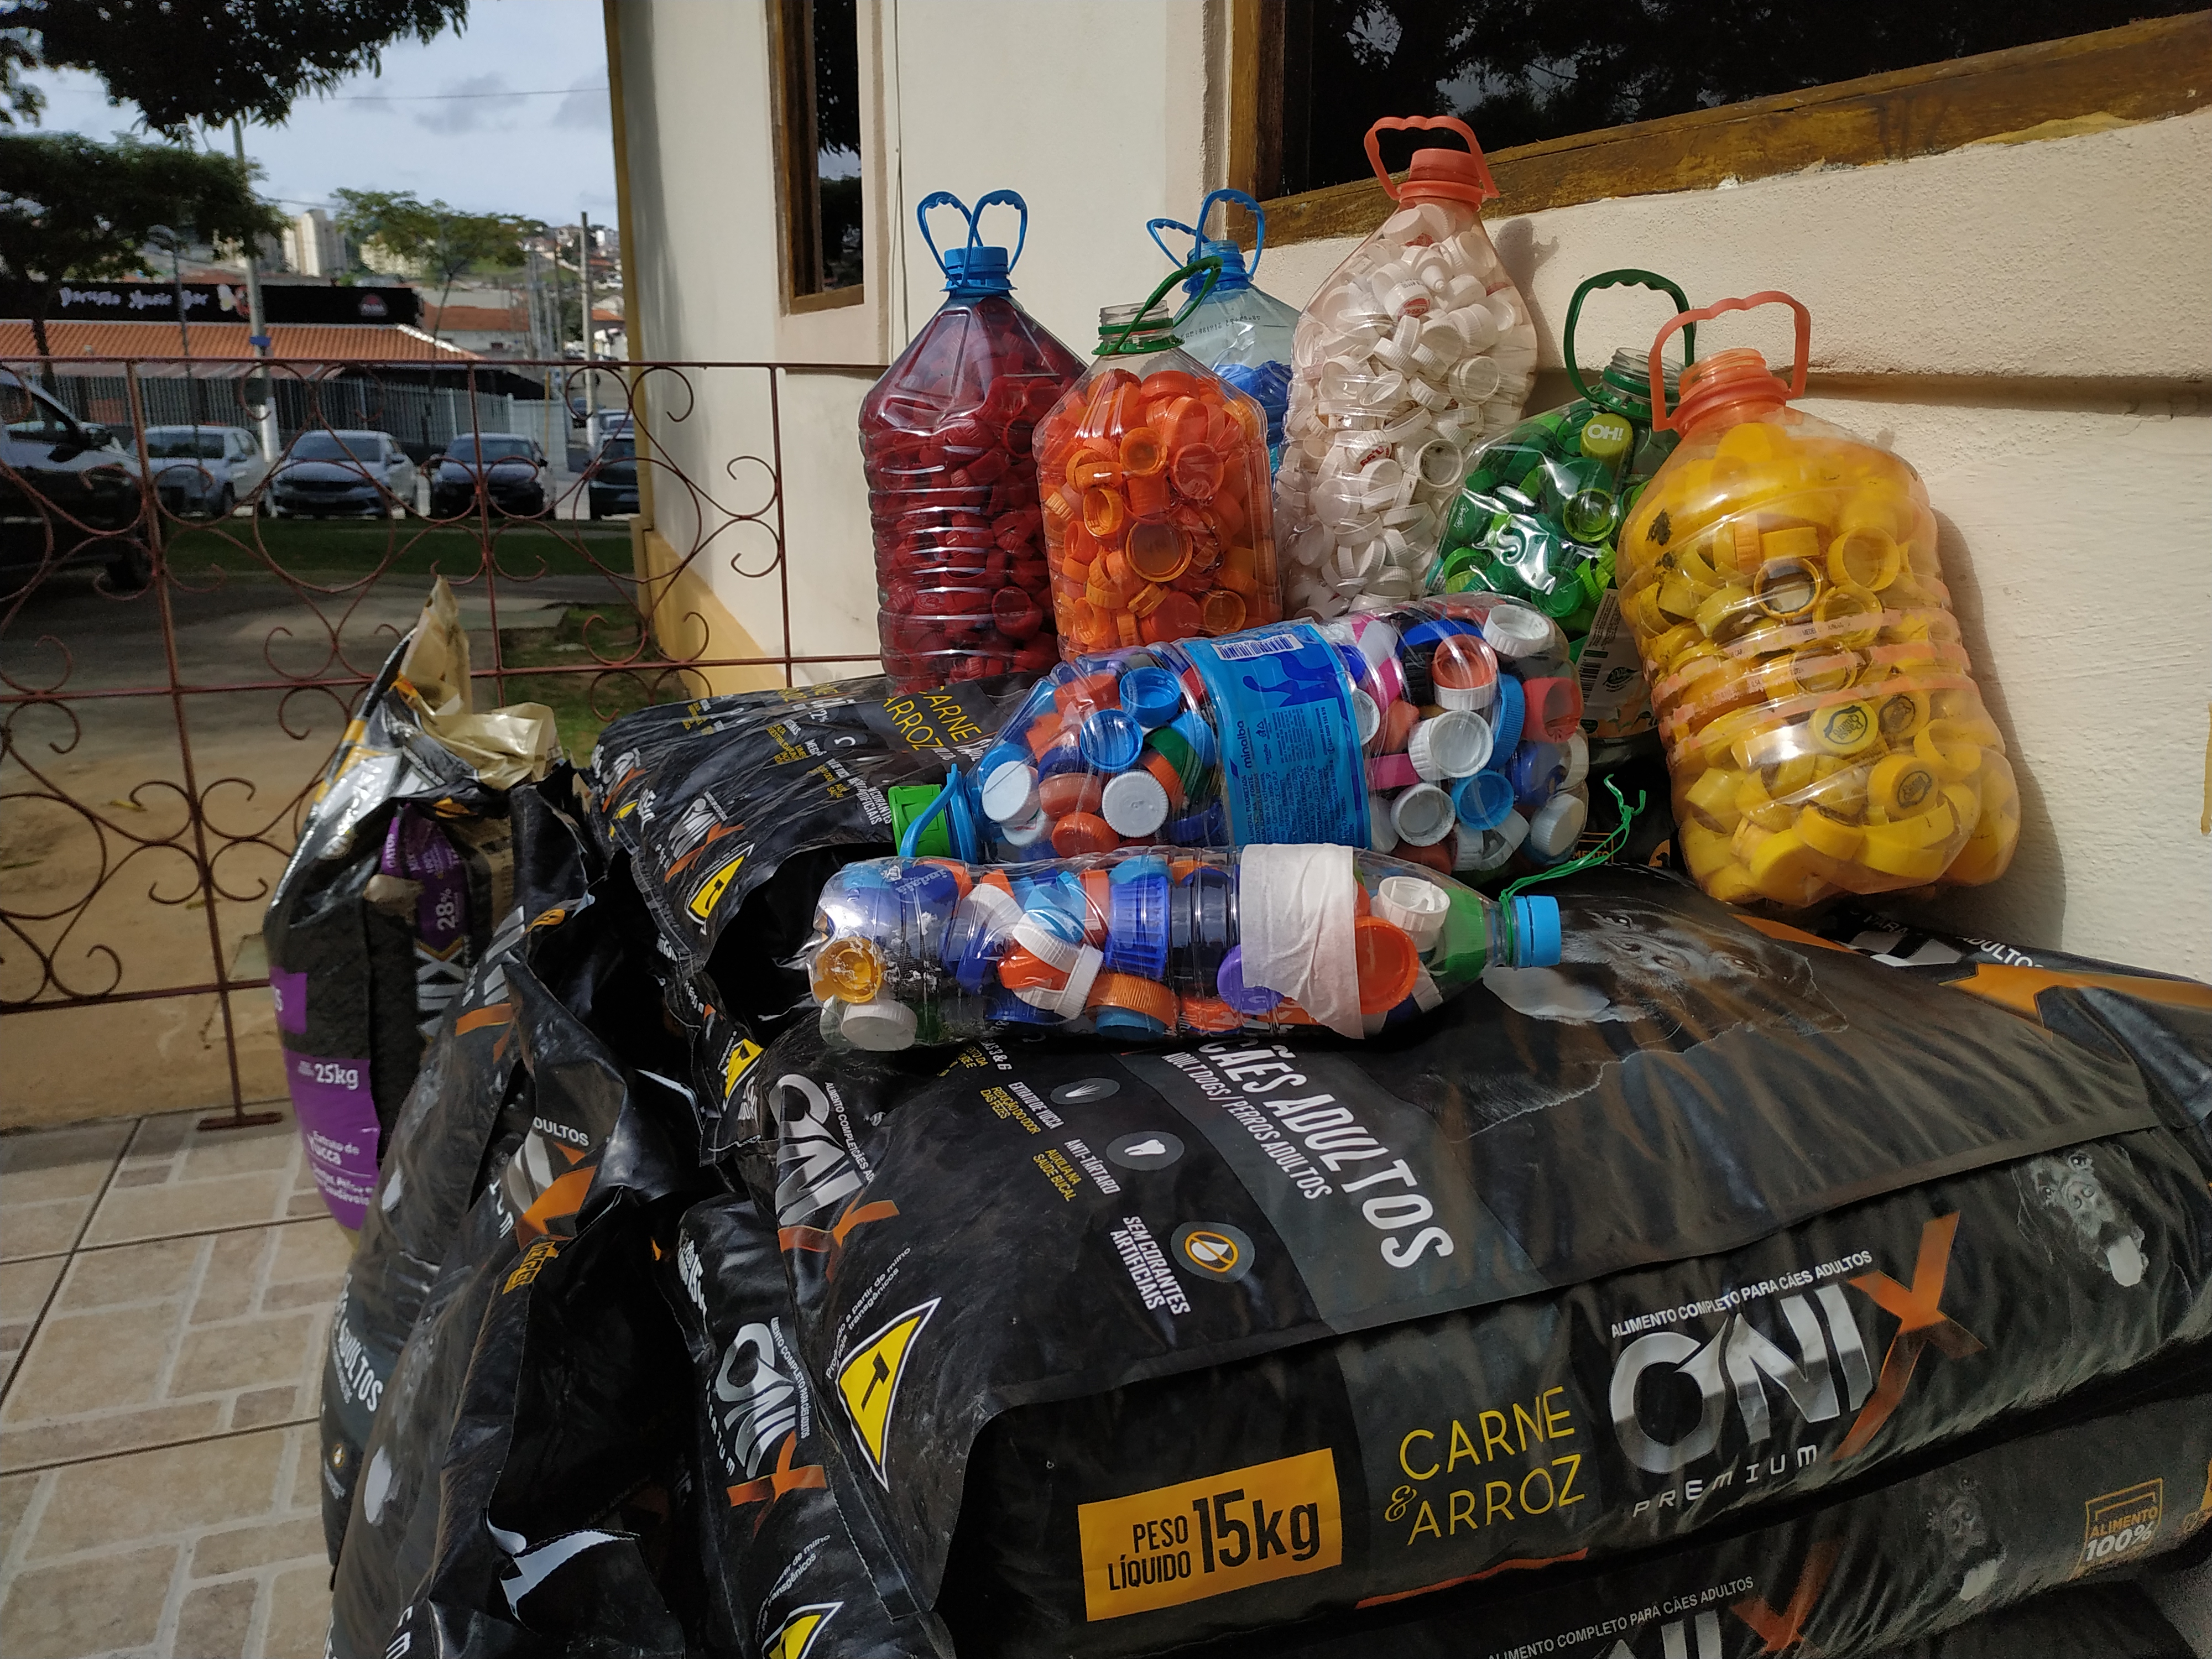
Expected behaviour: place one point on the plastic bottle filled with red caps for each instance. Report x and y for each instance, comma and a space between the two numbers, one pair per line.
1411, 351
1154, 475
962, 587
1824, 731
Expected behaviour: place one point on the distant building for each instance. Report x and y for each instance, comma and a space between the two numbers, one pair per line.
314, 247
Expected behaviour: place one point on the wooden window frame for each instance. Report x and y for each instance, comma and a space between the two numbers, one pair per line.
798, 216
2113, 77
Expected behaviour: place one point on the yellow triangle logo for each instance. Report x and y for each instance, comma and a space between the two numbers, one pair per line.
743, 1053
869, 1380
711, 890
796, 1634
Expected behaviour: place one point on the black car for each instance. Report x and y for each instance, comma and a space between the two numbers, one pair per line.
509, 469
63, 493
613, 477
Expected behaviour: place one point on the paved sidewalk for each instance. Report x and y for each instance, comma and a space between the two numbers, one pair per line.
165, 1296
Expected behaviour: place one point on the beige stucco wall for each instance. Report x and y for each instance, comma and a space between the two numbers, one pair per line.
2029, 323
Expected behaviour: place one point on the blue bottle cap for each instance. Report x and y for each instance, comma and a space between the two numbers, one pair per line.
1000, 754
1192, 728
1126, 1022
1536, 932
1206, 827
979, 953
1066, 755
1536, 770
1229, 985
1505, 722
1007, 1009
1199, 927
1153, 696
1484, 800
1434, 631
1137, 924
973, 270
1111, 740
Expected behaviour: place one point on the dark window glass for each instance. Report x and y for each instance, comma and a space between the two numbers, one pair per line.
1520, 71
337, 447
495, 447
820, 44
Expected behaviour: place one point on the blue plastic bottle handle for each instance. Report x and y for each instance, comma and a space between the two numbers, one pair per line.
1198, 235
973, 217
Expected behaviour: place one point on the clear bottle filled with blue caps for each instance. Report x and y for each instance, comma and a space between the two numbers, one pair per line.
1241, 332
1152, 944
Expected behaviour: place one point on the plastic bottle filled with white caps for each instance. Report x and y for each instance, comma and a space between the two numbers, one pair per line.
1412, 351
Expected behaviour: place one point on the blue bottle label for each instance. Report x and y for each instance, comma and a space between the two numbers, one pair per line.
1291, 766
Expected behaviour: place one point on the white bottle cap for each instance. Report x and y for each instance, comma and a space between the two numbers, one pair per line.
1577, 760
1382, 832
1010, 792
1080, 978
1425, 994
1365, 716
1553, 833
1047, 946
1452, 745
1513, 831
1135, 805
882, 1027
1424, 815
1419, 907
1514, 631
1029, 831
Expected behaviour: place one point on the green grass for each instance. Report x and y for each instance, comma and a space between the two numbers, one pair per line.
584, 703
330, 552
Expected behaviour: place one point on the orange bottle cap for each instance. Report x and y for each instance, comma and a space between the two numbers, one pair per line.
1044, 730
1196, 470
1135, 993
1103, 513
957, 871
1126, 628
1149, 494
1070, 792
1221, 612
1175, 383
1399, 720
1020, 970
1176, 618
1096, 891
1146, 599
1088, 691
1388, 964
1209, 1014
1083, 832
1088, 469
1142, 452
1161, 768
1158, 552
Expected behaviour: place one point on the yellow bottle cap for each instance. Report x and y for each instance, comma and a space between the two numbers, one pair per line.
1846, 728
1902, 785
848, 969
1827, 834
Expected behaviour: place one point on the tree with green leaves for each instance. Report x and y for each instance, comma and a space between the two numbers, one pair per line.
207, 62
75, 207
442, 242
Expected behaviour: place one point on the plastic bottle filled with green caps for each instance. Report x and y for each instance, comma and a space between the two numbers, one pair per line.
1544, 502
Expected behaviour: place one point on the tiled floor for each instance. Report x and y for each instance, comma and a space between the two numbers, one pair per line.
165, 1294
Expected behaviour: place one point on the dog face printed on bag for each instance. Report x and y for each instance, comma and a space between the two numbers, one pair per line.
1960, 1526
2070, 1198
1626, 959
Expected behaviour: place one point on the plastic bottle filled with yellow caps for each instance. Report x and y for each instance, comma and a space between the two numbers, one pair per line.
1823, 730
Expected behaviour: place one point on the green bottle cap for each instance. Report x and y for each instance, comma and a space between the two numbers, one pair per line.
909, 802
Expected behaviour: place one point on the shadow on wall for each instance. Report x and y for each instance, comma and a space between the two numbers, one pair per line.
2025, 905
1523, 256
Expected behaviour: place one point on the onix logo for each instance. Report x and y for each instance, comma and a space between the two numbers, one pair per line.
1739, 1362
814, 1171
755, 1404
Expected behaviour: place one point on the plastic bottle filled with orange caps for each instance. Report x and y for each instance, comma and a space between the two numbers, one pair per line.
1153, 477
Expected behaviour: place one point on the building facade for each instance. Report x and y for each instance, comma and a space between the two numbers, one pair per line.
2008, 266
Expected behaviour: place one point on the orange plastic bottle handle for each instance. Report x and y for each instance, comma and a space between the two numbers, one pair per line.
1411, 123
1662, 418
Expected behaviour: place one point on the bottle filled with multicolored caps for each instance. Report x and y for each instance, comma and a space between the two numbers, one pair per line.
963, 589
1824, 732
1148, 943
1444, 730
1157, 518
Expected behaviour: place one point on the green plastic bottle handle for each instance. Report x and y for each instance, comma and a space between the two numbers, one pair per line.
1625, 278
1210, 267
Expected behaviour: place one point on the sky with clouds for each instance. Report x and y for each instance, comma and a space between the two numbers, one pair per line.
509, 116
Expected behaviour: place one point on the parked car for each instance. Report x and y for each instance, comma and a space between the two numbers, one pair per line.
61, 492
350, 474
203, 471
605, 424
508, 469
612, 477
